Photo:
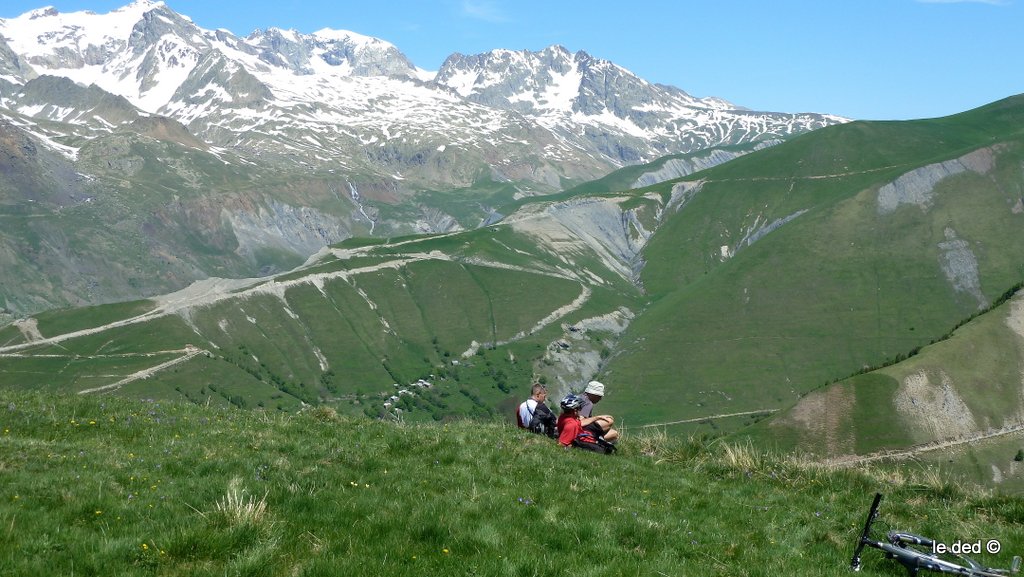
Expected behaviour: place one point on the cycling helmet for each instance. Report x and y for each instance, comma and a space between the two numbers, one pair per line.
571, 402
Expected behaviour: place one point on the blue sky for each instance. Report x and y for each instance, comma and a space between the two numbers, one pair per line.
864, 59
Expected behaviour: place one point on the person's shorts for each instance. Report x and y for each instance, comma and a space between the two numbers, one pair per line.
595, 428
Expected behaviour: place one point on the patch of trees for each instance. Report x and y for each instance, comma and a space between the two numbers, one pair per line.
245, 361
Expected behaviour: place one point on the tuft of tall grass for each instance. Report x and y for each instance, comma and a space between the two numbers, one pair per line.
657, 444
241, 509
743, 456
324, 414
926, 479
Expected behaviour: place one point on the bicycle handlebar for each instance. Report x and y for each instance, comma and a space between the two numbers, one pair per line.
865, 535
910, 538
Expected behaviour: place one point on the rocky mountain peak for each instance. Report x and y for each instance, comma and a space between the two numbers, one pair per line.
518, 80
41, 13
553, 80
367, 56
338, 52
157, 20
281, 48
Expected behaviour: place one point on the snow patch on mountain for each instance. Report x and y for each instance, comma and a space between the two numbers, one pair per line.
557, 94
44, 137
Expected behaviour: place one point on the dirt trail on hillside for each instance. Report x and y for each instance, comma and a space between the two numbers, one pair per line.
210, 291
190, 352
852, 460
41, 340
709, 417
207, 292
808, 177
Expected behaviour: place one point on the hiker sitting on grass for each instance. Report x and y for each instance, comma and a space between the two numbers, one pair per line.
601, 425
571, 432
534, 415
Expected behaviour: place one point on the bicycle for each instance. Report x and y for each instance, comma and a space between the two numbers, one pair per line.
915, 552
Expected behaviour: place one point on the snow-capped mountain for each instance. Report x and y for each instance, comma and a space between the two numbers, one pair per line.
262, 148
329, 94
628, 118
331, 99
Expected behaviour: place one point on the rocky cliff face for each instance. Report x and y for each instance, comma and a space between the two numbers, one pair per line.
12, 65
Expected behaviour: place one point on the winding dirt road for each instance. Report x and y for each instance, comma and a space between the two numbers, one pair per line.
190, 352
709, 418
853, 460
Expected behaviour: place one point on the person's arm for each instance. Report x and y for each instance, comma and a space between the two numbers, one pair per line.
588, 420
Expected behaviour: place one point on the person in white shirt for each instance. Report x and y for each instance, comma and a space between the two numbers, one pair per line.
534, 415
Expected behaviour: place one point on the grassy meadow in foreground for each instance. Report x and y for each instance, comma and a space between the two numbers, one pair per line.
114, 486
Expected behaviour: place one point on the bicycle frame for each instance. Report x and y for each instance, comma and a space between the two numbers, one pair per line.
901, 547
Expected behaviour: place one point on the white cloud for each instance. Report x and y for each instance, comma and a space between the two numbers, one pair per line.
485, 10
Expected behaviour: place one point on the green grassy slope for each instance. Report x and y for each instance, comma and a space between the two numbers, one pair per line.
840, 285
102, 486
992, 462
962, 387
471, 313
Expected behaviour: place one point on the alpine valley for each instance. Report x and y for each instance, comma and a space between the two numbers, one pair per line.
285, 220
141, 152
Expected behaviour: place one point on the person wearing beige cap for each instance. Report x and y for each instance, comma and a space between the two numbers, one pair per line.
600, 425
